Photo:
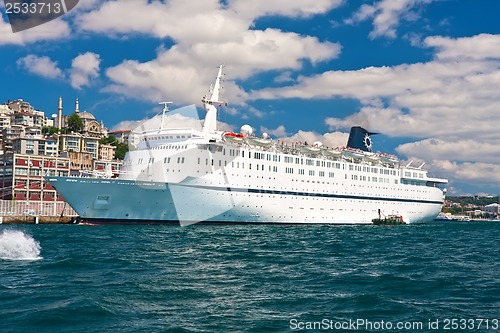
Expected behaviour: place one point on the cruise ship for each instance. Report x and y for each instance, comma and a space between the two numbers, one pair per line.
202, 174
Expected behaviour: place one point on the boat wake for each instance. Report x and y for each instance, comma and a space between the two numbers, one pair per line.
16, 245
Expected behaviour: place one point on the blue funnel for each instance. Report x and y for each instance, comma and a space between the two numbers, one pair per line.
359, 138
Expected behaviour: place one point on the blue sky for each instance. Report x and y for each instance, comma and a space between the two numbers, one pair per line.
425, 73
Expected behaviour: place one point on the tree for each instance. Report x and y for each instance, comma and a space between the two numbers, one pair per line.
111, 139
49, 130
121, 148
75, 123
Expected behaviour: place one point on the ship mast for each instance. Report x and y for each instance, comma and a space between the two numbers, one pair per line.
210, 124
165, 110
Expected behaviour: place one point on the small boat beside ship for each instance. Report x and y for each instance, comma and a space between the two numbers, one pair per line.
389, 220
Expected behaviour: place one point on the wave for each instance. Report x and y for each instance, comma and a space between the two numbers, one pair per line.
16, 245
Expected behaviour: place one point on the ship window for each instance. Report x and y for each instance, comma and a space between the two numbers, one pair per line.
183, 160
198, 160
243, 153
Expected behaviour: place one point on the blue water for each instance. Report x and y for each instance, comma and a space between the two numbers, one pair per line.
71, 278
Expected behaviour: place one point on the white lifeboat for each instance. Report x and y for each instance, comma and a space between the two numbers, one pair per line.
331, 152
233, 137
314, 149
352, 153
264, 141
371, 157
389, 159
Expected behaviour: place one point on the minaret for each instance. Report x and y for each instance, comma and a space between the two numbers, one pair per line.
77, 110
59, 114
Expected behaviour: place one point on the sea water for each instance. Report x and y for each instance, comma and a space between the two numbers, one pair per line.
245, 278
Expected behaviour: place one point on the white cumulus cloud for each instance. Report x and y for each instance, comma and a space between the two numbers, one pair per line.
84, 68
387, 15
42, 66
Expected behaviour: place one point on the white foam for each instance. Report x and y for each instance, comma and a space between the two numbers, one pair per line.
16, 245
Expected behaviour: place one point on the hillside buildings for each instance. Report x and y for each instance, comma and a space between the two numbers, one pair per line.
33, 146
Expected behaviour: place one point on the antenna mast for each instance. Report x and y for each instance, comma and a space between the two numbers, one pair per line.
165, 110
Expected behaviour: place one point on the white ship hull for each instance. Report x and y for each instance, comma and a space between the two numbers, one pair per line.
120, 201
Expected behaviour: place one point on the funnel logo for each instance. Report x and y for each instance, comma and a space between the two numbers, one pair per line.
31, 13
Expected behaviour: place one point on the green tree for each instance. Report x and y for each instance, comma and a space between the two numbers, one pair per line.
49, 130
75, 123
111, 139
121, 148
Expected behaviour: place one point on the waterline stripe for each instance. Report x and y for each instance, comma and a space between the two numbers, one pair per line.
309, 194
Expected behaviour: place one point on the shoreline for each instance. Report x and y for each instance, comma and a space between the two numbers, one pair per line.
31, 219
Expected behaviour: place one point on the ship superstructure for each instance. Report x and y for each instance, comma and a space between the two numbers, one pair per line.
192, 175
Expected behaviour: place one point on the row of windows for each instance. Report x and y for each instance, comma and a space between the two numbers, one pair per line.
165, 137
372, 179
176, 147
414, 174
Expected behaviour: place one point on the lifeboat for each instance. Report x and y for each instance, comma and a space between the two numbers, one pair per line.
254, 141
310, 150
333, 152
389, 159
233, 137
371, 157
263, 141
316, 148
352, 153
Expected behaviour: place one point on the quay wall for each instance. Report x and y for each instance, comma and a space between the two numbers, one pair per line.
25, 211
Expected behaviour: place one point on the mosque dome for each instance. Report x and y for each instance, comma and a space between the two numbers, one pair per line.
86, 116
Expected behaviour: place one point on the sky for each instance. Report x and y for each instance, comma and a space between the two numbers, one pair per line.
425, 74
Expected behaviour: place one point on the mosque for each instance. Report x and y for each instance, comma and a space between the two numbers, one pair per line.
91, 127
